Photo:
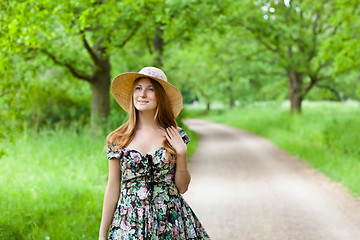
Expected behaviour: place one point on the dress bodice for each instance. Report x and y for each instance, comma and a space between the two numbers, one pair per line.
145, 172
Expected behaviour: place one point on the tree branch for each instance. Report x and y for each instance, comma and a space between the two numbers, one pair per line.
273, 73
310, 86
273, 49
95, 57
314, 37
135, 29
74, 72
176, 37
251, 56
331, 89
148, 45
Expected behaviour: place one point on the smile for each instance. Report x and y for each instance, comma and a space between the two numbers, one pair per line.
143, 102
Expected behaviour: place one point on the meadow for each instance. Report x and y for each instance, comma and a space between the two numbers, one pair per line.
52, 185
326, 135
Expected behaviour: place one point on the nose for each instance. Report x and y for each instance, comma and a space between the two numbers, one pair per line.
143, 93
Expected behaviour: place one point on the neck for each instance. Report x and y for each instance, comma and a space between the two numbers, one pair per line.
146, 120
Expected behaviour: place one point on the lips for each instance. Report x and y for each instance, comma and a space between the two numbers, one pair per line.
143, 102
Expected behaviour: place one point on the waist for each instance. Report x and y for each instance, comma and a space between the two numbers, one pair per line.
143, 189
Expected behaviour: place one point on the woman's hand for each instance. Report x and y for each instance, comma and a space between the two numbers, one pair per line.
182, 175
175, 139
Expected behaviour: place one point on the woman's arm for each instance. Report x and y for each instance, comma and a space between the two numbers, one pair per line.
182, 175
111, 197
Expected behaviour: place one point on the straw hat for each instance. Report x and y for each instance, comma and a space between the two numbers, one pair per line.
122, 85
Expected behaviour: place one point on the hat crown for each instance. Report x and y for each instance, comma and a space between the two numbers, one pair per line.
153, 72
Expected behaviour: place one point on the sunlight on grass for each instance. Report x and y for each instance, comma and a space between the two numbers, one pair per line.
53, 185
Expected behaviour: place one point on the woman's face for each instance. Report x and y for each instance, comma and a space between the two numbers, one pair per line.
144, 95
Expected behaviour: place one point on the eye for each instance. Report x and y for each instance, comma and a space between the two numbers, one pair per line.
138, 88
151, 89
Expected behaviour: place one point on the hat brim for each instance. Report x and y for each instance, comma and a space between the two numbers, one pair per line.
122, 85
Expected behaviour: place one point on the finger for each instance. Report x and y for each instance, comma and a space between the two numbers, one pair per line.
168, 133
167, 137
173, 130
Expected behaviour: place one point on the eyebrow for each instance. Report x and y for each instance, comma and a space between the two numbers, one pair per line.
138, 84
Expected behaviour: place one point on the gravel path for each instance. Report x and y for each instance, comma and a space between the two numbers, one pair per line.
243, 187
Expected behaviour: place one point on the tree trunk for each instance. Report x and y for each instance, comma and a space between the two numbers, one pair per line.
100, 100
295, 91
207, 99
231, 96
158, 43
207, 107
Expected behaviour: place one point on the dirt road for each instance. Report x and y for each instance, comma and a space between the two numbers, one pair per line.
243, 187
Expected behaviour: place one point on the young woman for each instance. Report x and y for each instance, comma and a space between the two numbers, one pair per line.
148, 164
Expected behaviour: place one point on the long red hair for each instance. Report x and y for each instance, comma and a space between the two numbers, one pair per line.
163, 118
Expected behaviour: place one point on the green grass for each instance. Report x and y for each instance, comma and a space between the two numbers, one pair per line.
52, 186
325, 135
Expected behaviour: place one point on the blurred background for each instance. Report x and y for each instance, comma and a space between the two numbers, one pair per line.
286, 70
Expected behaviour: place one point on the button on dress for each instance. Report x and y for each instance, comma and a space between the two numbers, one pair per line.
150, 206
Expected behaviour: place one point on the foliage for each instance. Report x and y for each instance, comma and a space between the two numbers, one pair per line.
35, 99
88, 37
215, 71
78, 36
297, 34
232, 52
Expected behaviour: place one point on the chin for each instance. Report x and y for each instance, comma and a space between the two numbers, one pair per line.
145, 108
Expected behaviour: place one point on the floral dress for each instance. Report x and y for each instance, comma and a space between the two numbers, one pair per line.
150, 206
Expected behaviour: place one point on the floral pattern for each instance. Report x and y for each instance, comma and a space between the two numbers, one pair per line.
150, 206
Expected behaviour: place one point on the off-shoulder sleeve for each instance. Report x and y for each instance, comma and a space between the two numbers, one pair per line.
113, 152
184, 136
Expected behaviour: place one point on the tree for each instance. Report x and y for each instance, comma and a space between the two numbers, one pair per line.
175, 22
80, 36
295, 34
